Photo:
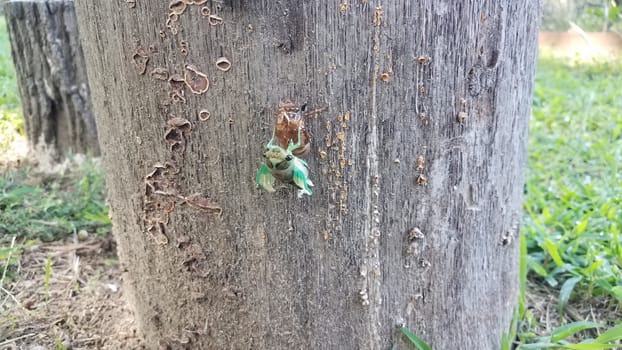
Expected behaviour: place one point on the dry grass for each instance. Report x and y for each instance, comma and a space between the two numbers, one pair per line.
82, 306
542, 303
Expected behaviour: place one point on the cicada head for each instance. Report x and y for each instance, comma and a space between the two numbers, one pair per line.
276, 157
289, 121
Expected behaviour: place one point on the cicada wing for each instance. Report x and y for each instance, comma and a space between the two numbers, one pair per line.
264, 178
301, 162
302, 180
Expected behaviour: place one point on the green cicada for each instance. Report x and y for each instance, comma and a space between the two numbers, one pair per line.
289, 142
281, 164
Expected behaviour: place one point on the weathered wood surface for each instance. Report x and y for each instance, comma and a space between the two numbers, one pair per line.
51, 76
428, 107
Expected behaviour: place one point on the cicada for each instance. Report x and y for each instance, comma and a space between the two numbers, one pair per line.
282, 161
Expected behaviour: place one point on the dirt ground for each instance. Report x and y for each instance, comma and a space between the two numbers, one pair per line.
79, 305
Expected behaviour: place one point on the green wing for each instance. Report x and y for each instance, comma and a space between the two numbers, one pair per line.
303, 162
264, 178
302, 181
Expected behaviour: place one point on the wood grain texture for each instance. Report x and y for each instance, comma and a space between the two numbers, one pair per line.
428, 107
51, 76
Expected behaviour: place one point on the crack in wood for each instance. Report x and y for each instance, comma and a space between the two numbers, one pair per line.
371, 294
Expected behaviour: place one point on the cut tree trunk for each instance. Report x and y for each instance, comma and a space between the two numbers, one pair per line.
51, 76
417, 164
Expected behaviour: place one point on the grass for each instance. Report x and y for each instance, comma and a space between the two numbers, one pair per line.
414, 340
51, 207
573, 194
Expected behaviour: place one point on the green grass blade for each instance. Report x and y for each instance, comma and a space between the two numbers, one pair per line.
59, 345
537, 346
508, 337
537, 268
580, 228
522, 274
617, 292
418, 343
567, 330
566, 291
594, 346
505, 342
551, 248
592, 268
610, 335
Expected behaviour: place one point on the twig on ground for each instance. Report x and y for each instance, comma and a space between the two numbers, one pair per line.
9, 341
59, 250
86, 341
10, 295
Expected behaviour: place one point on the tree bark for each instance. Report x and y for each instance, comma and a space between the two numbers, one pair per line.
417, 164
51, 76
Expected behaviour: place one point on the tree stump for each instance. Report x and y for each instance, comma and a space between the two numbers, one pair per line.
417, 163
51, 76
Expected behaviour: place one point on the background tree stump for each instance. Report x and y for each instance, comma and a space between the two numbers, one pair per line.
52, 80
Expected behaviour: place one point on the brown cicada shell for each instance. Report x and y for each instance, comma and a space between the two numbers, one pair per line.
289, 119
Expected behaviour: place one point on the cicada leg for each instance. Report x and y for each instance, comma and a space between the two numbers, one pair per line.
293, 146
271, 142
